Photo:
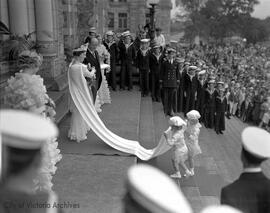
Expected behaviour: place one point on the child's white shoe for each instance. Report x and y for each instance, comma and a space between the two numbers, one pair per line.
176, 175
192, 171
187, 174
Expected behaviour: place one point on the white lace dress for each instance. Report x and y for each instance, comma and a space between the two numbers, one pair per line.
103, 92
27, 92
78, 127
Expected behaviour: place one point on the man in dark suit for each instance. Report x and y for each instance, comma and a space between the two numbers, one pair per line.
92, 59
169, 80
250, 193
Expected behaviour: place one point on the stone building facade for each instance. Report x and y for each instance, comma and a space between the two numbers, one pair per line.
57, 26
129, 14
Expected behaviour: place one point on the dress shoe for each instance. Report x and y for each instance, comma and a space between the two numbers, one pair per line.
217, 132
221, 132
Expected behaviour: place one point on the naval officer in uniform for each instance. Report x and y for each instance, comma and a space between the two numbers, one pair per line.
169, 81
250, 193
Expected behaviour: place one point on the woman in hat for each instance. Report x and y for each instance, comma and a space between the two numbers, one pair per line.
220, 108
76, 78
192, 132
26, 91
175, 137
104, 57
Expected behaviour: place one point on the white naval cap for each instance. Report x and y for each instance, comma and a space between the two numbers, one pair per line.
256, 141
145, 40
126, 33
220, 209
202, 72
176, 121
92, 30
192, 68
155, 191
109, 33
193, 114
25, 130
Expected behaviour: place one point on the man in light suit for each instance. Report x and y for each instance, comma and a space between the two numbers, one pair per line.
250, 193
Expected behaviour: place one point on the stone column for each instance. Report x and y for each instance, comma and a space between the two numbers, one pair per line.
31, 18
45, 28
18, 16
4, 12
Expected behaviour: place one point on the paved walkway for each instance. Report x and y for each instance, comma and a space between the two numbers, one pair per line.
218, 164
95, 183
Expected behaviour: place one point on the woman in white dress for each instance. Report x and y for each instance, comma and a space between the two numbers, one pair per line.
78, 127
104, 57
26, 91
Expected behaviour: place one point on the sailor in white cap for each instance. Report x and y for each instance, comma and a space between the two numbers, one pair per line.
128, 59
175, 137
192, 132
190, 88
91, 34
112, 48
149, 190
251, 191
220, 109
142, 63
220, 209
202, 85
155, 60
23, 136
209, 113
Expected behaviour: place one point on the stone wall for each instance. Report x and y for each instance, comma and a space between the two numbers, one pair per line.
163, 20
86, 18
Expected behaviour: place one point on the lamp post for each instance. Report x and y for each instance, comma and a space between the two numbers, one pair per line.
151, 4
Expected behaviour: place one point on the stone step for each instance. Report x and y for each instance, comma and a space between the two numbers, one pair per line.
62, 108
61, 101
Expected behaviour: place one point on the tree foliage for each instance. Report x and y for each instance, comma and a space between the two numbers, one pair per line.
224, 18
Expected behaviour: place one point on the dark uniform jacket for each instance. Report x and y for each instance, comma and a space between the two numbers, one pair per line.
202, 85
250, 193
220, 104
113, 50
142, 61
94, 61
127, 54
154, 64
169, 74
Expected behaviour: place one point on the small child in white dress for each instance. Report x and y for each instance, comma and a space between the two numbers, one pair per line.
175, 137
191, 137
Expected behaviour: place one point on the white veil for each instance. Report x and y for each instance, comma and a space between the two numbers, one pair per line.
81, 97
